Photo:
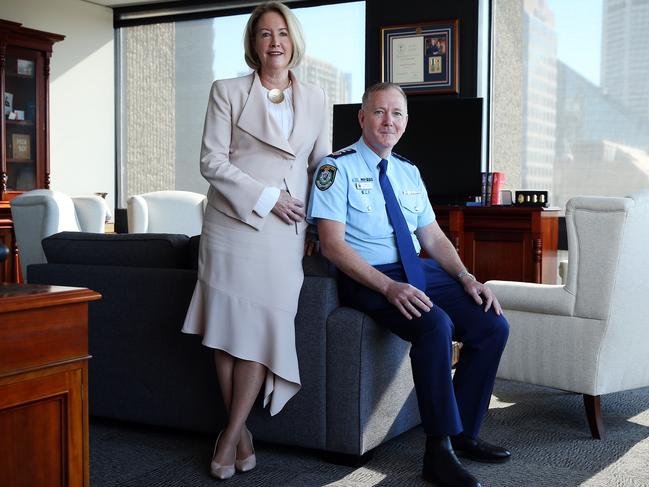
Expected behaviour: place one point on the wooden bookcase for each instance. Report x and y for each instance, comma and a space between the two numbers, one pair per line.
24, 125
504, 242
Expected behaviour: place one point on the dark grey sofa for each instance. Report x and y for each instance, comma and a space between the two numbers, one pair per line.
356, 391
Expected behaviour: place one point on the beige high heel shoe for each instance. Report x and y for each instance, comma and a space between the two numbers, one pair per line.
248, 463
221, 472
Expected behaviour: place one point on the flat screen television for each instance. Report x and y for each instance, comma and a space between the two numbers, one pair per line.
443, 138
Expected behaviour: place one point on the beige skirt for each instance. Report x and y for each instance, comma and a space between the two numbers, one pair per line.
245, 300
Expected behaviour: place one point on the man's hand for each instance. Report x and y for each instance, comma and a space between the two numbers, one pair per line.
478, 291
289, 209
408, 299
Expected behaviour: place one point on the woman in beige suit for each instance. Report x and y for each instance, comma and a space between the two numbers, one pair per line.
264, 133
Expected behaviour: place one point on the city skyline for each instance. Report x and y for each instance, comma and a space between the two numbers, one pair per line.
625, 64
579, 43
602, 141
554, 125
329, 31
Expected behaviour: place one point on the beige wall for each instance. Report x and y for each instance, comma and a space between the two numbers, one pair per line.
82, 91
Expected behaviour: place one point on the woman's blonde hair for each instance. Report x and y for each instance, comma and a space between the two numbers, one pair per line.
294, 32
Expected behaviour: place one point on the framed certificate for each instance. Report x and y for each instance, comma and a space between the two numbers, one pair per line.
421, 58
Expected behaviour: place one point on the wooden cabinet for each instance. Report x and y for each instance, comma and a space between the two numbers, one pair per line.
507, 243
8, 268
43, 385
24, 127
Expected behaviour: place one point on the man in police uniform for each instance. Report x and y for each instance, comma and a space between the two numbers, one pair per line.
373, 218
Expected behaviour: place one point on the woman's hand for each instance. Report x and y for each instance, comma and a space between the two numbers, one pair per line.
289, 209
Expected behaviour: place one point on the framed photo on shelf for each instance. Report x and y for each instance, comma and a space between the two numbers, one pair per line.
21, 147
9, 103
25, 67
421, 58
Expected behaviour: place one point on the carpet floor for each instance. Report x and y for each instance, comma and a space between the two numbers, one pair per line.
545, 429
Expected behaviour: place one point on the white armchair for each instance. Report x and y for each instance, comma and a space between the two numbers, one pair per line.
590, 335
40, 213
166, 212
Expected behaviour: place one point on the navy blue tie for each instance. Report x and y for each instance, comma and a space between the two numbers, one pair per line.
409, 258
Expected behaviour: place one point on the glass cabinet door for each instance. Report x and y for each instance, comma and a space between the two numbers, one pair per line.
20, 101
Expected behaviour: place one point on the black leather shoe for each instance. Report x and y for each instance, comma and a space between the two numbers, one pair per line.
441, 466
478, 450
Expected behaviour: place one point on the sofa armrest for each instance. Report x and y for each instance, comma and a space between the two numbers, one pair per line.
302, 422
370, 391
533, 298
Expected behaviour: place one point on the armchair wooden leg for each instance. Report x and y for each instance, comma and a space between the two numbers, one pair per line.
594, 415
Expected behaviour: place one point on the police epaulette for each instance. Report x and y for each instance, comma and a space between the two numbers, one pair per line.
401, 158
340, 153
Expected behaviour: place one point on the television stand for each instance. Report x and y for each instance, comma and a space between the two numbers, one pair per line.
510, 243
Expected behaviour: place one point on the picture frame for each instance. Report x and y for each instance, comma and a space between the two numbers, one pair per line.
25, 67
21, 147
423, 57
9, 103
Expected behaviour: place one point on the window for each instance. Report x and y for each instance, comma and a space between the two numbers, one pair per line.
570, 98
166, 71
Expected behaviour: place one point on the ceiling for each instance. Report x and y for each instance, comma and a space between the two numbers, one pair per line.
124, 3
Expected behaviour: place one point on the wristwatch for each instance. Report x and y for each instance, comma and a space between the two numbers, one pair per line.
465, 273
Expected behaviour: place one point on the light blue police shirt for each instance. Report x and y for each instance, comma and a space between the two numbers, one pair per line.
354, 198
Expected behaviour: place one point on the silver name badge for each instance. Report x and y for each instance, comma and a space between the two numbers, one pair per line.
364, 185
415, 191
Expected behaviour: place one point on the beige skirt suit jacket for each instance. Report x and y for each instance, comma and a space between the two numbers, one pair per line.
250, 268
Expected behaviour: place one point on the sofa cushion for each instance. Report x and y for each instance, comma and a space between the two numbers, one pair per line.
132, 250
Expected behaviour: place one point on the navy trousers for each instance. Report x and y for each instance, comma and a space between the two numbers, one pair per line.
447, 405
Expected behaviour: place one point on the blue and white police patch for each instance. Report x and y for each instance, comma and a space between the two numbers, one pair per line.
325, 177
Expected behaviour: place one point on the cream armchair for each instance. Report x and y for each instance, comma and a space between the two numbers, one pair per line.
590, 335
40, 213
166, 212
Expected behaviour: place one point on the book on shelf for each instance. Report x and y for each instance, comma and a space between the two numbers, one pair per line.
490, 181
492, 184
496, 186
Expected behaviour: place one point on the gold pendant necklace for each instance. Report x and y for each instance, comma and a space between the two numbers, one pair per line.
276, 95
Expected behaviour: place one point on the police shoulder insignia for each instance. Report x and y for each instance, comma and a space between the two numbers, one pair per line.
401, 158
325, 177
343, 152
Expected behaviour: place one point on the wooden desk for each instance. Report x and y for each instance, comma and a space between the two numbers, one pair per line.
508, 243
43, 384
